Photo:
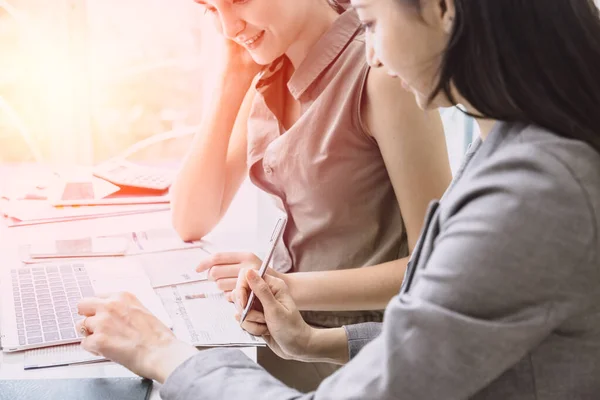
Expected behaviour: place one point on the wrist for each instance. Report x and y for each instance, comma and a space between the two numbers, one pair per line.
164, 360
327, 345
226, 97
313, 349
232, 82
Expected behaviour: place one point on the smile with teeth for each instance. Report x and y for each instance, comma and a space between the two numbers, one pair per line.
253, 39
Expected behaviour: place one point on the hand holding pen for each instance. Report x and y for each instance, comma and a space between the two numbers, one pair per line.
224, 268
275, 236
276, 318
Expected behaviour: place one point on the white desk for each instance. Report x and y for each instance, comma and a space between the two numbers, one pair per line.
236, 232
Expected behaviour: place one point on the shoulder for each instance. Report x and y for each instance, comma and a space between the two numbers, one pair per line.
563, 163
531, 161
578, 157
533, 181
385, 100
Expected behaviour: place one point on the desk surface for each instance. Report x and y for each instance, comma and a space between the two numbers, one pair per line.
237, 232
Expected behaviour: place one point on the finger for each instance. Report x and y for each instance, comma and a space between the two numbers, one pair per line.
88, 306
253, 328
221, 259
276, 284
226, 285
236, 302
92, 324
85, 346
280, 290
128, 298
254, 316
223, 271
230, 296
261, 289
78, 326
242, 289
93, 344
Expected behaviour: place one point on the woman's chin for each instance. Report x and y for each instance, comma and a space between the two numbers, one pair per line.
263, 57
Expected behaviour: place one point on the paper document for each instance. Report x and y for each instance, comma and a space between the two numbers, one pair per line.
32, 212
158, 240
58, 356
85, 187
207, 321
173, 267
150, 242
116, 200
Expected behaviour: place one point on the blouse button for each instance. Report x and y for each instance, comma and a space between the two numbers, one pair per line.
268, 170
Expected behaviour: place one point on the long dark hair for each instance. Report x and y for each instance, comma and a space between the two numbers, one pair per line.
531, 61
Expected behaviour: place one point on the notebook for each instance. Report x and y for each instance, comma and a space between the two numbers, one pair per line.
76, 389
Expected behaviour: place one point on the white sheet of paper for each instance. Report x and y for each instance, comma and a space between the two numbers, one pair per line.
58, 356
158, 240
37, 211
207, 321
173, 267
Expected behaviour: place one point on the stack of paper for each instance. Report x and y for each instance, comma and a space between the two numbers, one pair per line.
162, 239
32, 212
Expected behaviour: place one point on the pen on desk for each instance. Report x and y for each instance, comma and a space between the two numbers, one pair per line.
275, 236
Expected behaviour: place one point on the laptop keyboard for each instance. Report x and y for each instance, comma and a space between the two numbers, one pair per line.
46, 300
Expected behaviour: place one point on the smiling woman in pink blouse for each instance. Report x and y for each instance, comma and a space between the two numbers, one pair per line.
341, 148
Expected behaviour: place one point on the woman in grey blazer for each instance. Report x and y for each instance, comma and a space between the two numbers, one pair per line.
502, 296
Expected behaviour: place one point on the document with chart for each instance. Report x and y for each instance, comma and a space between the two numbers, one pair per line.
208, 319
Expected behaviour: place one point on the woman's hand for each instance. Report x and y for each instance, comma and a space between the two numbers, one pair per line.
274, 315
238, 60
231, 56
121, 329
224, 269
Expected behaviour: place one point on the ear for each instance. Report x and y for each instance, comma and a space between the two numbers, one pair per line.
446, 12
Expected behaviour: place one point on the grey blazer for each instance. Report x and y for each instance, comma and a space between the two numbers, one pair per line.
501, 300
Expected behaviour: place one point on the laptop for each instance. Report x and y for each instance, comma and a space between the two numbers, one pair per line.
39, 302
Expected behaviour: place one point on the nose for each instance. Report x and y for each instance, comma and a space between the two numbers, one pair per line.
231, 24
372, 59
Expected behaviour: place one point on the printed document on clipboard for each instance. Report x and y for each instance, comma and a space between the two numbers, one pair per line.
204, 322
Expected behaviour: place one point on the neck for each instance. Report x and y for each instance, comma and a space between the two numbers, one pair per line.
320, 21
485, 127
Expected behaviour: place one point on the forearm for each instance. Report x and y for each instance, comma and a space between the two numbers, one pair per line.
225, 374
368, 288
197, 193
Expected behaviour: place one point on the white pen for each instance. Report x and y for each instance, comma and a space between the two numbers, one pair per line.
275, 236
